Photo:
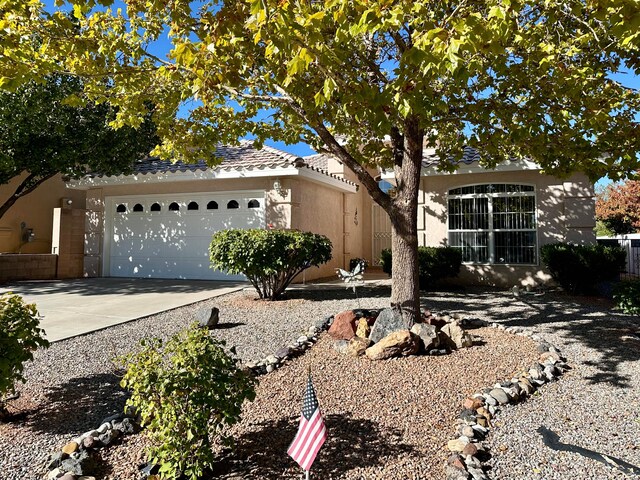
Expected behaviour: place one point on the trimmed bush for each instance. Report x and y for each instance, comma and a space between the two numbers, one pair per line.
580, 268
270, 259
186, 392
20, 335
626, 296
434, 264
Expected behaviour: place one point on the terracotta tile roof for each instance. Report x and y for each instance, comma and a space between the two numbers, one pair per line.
241, 157
238, 157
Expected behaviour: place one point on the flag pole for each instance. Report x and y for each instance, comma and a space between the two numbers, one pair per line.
308, 475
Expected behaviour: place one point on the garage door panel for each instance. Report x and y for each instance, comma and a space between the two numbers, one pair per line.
174, 244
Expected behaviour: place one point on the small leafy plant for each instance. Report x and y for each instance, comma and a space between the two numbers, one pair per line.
580, 268
186, 392
20, 336
270, 259
626, 296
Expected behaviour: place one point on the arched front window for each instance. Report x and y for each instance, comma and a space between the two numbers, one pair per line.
233, 204
155, 207
138, 207
122, 208
494, 223
253, 204
212, 205
174, 207
193, 206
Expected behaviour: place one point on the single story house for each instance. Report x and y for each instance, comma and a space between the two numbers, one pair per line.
158, 221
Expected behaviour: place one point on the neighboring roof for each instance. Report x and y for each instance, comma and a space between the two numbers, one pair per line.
469, 155
320, 161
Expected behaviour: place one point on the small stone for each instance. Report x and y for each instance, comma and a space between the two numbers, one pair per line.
104, 427
208, 317
270, 368
357, 346
477, 473
126, 425
302, 340
550, 372
282, 352
458, 444
453, 473
543, 347
456, 461
472, 403
70, 447
363, 329
89, 442
500, 395
67, 476
86, 477
483, 422
115, 416
525, 384
468, 415
489, 400
55, 473
458, 338
428, 335
468, 431
485, 413
271, 360
470, 449
546, 356
536, 372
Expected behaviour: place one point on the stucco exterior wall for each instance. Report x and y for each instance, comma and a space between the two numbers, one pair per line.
565, 213
36, 211
299, 204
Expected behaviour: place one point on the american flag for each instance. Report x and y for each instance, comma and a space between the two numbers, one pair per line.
311, 432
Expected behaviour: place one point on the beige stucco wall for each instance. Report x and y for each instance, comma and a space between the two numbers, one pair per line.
565, 212
36, 210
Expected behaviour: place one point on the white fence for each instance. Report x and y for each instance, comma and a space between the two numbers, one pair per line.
631, 243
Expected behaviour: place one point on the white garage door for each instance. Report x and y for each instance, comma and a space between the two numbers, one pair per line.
168, 236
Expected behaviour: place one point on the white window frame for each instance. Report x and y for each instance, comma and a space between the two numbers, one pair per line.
490, 230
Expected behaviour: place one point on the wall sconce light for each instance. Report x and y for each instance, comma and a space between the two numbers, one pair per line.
355, 218
27, 233
69, 201
277, 186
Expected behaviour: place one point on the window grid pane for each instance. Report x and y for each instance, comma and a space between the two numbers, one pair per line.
494, 223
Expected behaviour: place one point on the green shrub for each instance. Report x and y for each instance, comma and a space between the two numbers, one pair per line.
434, 263
626, 296
20, 335
580, 268
186, 391
270, 259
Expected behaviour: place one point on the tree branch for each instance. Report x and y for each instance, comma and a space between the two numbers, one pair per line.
27, 186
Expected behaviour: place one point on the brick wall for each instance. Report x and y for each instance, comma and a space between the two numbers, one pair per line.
27, 266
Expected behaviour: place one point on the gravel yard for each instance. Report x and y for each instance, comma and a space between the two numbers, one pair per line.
386, 420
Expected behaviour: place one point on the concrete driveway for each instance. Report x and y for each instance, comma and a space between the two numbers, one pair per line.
75, 307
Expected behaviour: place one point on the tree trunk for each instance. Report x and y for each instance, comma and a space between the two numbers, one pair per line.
405, 291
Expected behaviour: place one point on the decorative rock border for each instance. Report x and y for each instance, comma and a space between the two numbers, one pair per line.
295, 349
474, 421
78, 457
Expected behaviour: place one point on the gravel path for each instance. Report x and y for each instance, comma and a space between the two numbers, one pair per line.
593, 410
389, 419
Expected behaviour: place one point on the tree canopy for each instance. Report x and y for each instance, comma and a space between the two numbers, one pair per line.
369, 81
43, 133
618, 207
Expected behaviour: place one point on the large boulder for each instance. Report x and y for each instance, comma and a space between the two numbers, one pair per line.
428, 335
398, 343
458, 338
390, 320
343, 326
357, 346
